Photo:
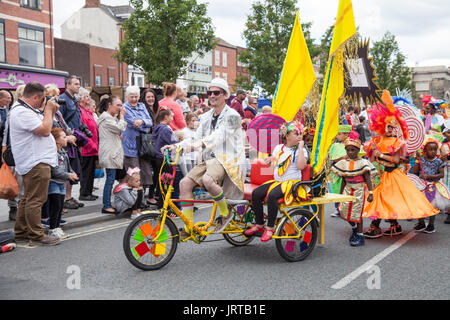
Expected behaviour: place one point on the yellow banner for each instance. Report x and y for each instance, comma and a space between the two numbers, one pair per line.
297, 77
327, 125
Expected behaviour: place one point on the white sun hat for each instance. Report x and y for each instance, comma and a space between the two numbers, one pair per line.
220, 83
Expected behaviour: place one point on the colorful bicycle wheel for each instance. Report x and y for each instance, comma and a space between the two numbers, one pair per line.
293, 250
142, 248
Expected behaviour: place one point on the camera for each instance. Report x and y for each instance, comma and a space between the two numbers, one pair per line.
86, 131
58, 101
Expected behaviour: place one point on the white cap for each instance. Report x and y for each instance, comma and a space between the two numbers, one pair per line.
220, 83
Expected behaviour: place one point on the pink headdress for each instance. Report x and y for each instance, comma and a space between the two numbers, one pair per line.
132, 171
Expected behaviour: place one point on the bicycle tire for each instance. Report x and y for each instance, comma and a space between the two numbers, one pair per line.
293, 250
139, 242
240, 240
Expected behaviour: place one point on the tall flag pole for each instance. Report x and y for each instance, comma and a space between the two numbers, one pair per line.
297, 77
327, 125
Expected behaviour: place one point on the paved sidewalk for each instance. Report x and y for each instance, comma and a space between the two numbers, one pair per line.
89, 214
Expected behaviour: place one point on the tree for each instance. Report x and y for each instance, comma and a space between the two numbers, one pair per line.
390, 63
161, 35
267, 34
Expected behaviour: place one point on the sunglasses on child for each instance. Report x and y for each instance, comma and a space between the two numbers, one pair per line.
215, 92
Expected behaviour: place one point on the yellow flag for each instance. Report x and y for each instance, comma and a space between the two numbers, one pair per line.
297, 77
327, 125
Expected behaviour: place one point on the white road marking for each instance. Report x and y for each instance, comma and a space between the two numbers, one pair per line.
369, 264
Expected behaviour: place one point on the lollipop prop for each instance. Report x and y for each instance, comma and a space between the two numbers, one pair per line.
263, 132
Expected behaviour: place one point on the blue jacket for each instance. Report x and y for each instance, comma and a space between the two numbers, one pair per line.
131, 133
68, 109
163, 136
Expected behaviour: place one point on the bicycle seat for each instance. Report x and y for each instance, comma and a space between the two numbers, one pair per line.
237, 202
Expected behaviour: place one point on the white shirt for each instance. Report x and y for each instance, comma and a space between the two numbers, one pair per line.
28, 148
292, 172
189, 135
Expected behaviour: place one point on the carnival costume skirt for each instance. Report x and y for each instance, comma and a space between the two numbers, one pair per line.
303, 192
397, 197
352, 211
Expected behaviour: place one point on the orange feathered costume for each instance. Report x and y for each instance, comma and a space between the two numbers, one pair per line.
396, 197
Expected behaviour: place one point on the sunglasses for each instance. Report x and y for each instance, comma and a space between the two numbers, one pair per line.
214, 92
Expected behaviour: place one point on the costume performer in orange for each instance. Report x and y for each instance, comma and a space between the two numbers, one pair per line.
396, 197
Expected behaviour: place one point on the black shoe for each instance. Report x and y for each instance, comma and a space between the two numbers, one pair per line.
93, 195
353, 236
87, 198
109, 212
12, 213
420, 226
394, 230
430, 228
357, 241
373, 232
71, 204
447, 221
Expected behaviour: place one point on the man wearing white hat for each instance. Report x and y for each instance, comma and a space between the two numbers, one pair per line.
220, 139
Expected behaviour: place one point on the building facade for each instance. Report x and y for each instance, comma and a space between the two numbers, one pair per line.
433, 81
225, 63
97, 26
27, 44
199, 74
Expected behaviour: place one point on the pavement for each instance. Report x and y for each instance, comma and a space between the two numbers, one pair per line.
87, 215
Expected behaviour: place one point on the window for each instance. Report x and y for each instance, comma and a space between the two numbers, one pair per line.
2, 41
217, 75
112, 81
140, 82
217, 58
224, 59
225, 76
31, 46
32, 4
98, 81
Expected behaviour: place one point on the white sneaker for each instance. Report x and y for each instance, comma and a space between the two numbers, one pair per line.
54, 233
134, 216
335, 214
62, 234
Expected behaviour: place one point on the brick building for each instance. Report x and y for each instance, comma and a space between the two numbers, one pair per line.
225, 62
97, 26
27, 44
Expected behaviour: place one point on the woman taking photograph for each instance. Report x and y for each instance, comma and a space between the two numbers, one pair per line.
111, 124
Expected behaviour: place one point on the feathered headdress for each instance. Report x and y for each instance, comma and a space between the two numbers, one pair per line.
353, 140
290, 126
383, 115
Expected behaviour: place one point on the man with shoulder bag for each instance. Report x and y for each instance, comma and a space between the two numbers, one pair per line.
34, 150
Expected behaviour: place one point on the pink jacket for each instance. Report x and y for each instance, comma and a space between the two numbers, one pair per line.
178, 122
91, 148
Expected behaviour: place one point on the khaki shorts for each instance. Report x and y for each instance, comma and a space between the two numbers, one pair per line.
211, 167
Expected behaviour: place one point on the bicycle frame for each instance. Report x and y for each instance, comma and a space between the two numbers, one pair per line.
169, 202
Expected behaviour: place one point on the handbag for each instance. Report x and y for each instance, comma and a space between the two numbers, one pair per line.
146, 146
99, 173
9, 188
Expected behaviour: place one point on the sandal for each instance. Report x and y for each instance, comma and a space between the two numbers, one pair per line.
253, 230
172, 215
268, 233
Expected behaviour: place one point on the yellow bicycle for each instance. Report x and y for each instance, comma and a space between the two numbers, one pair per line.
150, 241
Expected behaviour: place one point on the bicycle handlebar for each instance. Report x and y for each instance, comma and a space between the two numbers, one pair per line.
177, 157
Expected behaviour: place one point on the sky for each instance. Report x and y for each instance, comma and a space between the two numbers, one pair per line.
421, 27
